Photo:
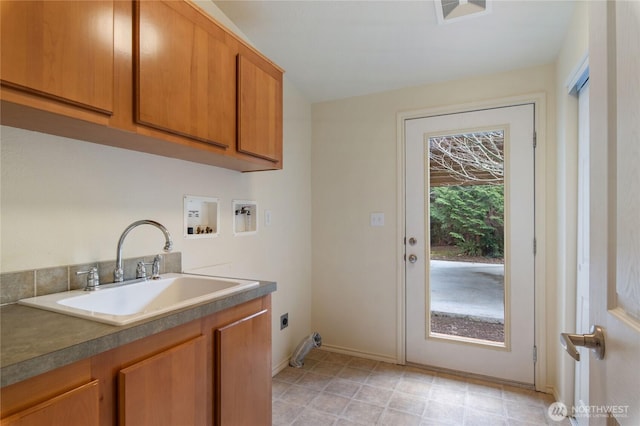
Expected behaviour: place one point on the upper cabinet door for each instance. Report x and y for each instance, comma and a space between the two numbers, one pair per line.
185, 73
61, 50
259, 109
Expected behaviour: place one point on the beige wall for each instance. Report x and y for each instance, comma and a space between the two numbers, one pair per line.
574, 48
354, 173
66, 202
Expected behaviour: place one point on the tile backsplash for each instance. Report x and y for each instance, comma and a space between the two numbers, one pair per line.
19, 285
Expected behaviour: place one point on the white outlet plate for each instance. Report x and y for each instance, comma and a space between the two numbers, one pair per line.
377, 219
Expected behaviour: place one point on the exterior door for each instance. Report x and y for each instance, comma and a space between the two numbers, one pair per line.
614, 275
512, 358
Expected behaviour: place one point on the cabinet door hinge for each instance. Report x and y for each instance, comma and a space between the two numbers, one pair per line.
535, 139
535, 354
535, 246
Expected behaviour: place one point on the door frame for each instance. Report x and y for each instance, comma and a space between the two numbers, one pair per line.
540, 113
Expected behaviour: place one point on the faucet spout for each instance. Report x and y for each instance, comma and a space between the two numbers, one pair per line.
118, 274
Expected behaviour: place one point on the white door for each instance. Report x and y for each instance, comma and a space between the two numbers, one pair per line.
614, 276
513, 358
581, 395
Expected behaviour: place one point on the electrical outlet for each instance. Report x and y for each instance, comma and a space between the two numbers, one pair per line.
284, 321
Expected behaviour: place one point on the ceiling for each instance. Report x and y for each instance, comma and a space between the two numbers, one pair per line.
338, 49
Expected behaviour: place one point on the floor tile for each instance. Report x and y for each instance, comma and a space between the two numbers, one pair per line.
310, 417
486, 403
407, 403
397, 418
314, 381
374, 395
444, 412
337, 358
329, 403
414, 387
342, 390
284, 413
363, 364
327, 368
447, 395
479, 418
342, 387
353, 374
290, 375
278, 388
384, 379
299, 395
362, 413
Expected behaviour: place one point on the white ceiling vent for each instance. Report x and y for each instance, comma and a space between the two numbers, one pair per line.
456, 10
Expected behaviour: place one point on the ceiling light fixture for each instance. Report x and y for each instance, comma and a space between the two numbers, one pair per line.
455, 10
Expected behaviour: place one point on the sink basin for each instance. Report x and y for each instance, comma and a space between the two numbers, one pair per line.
126, 303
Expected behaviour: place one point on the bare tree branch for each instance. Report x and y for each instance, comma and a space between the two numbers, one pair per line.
469, 158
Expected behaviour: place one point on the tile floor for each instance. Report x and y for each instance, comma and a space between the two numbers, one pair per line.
336, 389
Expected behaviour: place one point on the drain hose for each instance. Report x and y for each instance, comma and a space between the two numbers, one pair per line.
314, 340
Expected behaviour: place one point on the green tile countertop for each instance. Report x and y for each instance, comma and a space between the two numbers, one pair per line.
34, 341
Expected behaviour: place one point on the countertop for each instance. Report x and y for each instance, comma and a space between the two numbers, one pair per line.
34, 341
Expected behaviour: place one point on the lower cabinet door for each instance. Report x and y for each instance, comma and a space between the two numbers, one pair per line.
169, 388
243, 372
77, 407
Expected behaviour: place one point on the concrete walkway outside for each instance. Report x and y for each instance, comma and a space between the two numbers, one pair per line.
468, 289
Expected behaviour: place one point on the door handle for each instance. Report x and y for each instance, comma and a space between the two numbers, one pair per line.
593, 341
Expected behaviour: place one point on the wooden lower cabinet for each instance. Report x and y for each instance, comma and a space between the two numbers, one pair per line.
243, 371
78, 406
212, 371
166, 389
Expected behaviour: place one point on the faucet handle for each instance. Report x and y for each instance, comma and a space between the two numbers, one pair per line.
93, 279
141, 270
155, 269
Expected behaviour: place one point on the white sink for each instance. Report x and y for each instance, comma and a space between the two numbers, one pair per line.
123, 304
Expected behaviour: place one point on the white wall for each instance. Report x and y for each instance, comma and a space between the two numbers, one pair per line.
574, 47
354, 173
66, 202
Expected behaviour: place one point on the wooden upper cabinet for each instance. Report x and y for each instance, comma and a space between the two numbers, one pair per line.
259, 109
61, 50
185, 73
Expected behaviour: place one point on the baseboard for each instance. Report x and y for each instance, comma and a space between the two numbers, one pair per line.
359, 354
553, 391
280, 366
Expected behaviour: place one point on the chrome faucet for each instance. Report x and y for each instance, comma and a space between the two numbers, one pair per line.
118, 274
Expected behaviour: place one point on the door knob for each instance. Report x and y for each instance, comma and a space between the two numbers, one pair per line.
413, 258
593, 341
412, 241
